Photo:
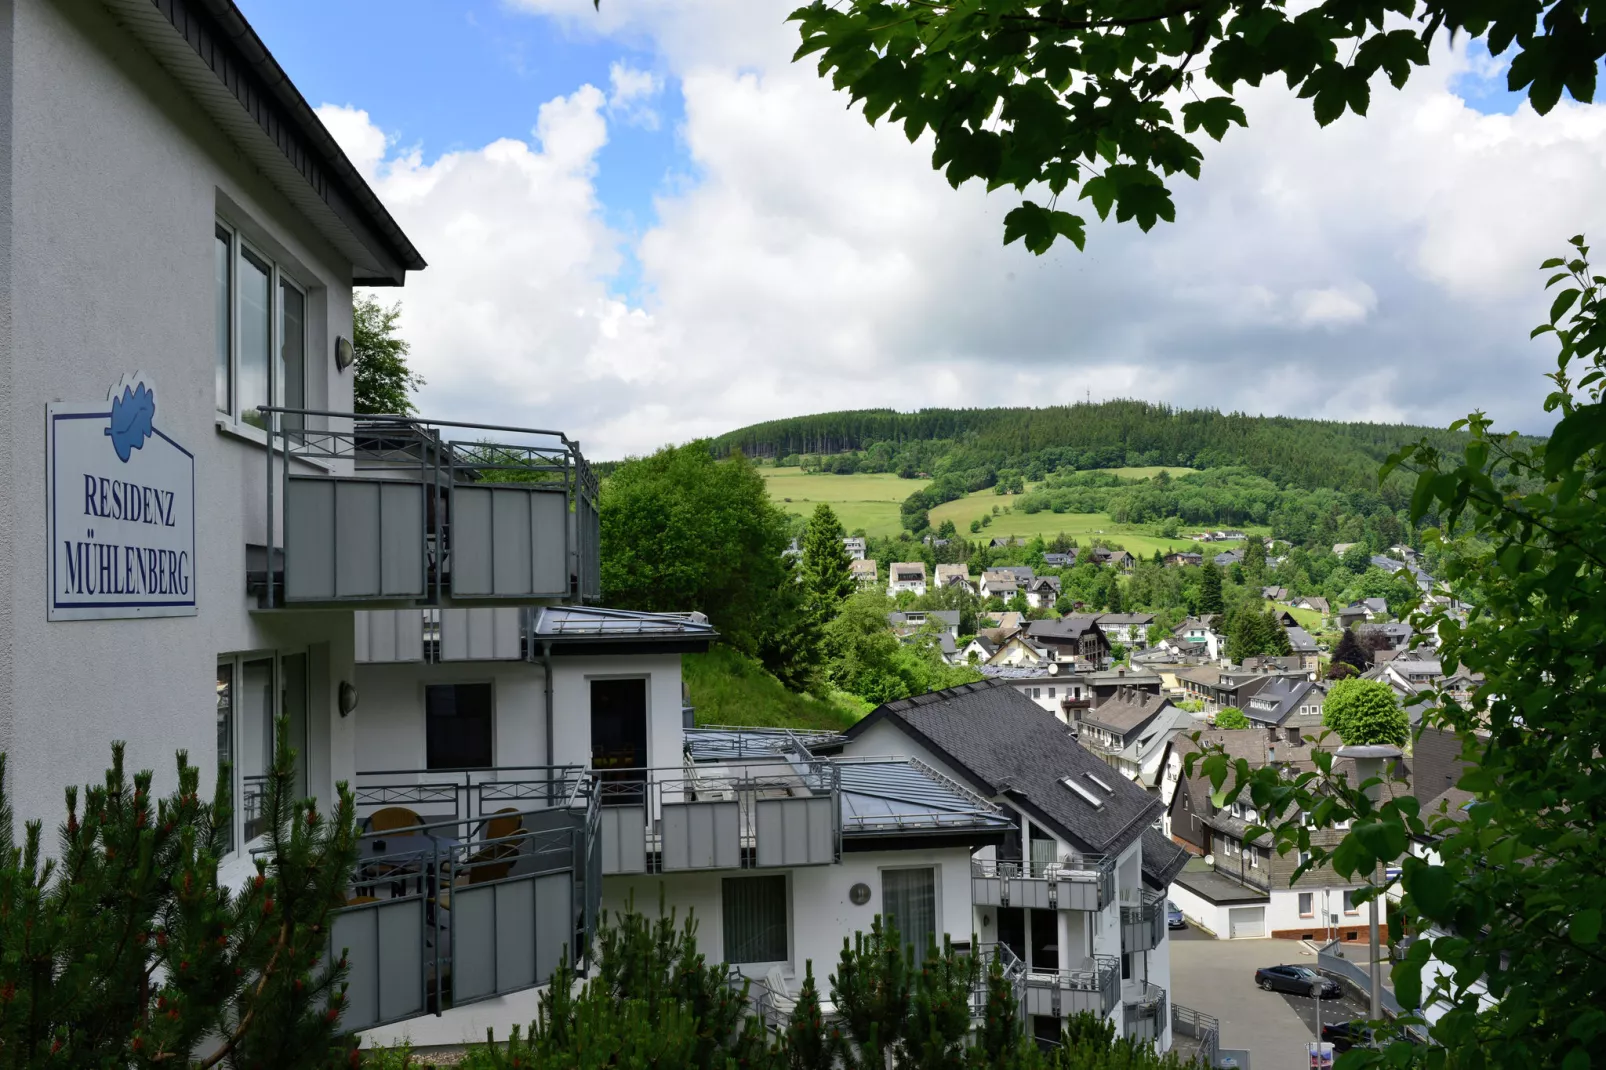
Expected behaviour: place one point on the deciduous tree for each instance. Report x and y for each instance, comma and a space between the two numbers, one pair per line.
1365, 712
382, 382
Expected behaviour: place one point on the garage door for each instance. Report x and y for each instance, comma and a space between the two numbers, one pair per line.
1246, 921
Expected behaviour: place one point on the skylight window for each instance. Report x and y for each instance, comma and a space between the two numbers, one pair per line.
1082, 793
1107, 789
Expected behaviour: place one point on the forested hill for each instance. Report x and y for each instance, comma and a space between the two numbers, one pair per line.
1308, 453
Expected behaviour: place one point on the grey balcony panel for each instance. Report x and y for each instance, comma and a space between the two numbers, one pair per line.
554, 922
624, 844
509, 542
796, 832
1060, 1001
1035, 893
385, 958
474, 943
353, 538
514, 903
483, 634
702, 835
387, 636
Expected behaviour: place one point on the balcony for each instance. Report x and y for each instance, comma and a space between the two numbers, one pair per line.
1144, 1015
364, 510
1144, 927
1087, 883
1093, 986
468, 886
757, 812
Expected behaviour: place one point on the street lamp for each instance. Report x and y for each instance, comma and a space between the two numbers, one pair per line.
1370, 761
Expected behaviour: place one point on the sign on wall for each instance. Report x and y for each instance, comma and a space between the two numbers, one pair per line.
121, 509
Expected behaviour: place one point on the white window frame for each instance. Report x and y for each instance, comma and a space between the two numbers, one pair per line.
239, 245
791, 923
1307, 904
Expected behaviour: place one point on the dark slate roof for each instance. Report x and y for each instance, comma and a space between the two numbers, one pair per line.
1072, 627
1005, 744
1300, 641
1162, 859
1126, 712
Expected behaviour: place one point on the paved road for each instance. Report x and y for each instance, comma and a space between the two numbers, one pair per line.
1218, 978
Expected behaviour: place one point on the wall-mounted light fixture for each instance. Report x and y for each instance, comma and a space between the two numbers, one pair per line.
859, 894
344, 353
348, 697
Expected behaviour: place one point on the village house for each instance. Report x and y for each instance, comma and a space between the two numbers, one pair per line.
906, 576
1198, 631
864, 573
1183, 557
949, 575
1219, 689
1065, 560
1245, 891
1061, 693
1042, 591
1074, 638
1077, 892
854, 545
912, 621
1128, 629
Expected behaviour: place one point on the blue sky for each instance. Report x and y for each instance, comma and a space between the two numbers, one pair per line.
457, 76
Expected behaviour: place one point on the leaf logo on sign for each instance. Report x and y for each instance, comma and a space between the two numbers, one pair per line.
132, 414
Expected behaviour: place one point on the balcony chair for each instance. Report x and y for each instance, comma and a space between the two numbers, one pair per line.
505, 833
395, 822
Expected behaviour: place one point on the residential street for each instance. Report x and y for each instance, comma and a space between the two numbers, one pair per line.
1217, 978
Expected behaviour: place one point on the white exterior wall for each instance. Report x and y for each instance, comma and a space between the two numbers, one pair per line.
819, 911
390, 719
115, 179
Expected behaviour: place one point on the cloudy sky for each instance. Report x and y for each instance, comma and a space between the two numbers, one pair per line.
646, 225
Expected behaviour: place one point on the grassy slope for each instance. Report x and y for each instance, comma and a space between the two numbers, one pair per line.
870, 501
727, 688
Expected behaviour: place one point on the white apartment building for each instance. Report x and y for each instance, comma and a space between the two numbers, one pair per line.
906, 576
203, 531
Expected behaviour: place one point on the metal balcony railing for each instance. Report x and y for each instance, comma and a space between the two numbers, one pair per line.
750, 813
1087, 883
442, 913
1203, 1030
386, 509
1014, 975
1143, 927
1144, 1015
1094, 986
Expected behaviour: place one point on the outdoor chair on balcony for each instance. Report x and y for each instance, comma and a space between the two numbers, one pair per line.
504, 833
393, 822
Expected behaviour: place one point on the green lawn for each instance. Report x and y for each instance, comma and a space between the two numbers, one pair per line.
1147, 473
1309, 619
863, 500
729, 689
1136, 538
870, 501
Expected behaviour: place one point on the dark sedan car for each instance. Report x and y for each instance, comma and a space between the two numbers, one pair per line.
1173, 916
1300, 980
1346, 1035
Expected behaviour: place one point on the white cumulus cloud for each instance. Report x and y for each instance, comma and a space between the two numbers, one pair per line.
1380, 268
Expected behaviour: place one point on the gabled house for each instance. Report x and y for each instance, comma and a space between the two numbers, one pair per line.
1184, 557
1313, 603
1077, 894
1065, 560
1107, 728
999, 583
1198, 630
1042, 591
1274, 594
1218, 689
1126, 628
1390, 635
1301, 645
912, 621
906, 576
1018, 649
1118, 558
1075, 638
1244, 891
1065, 695
855, 546
948, 575
1286, 701
978, 651
1373, 609
1105, 684
864, 572
1228, 558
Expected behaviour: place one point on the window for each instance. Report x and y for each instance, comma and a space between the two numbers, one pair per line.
754, 910
1037, 692
1051, 692
1126, 965
1307, 904
261, 332
909, 901
252, 691
457, 726
1349, 902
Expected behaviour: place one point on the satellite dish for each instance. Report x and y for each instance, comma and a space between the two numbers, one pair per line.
1210, 860
1053, 669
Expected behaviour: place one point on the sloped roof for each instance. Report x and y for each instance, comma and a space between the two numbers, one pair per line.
1300, 641
1126, 711
1162, 859
1005, 744
1071, 627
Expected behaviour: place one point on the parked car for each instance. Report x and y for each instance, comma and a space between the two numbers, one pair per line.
1346, 1035
1300, 980
1173, 916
